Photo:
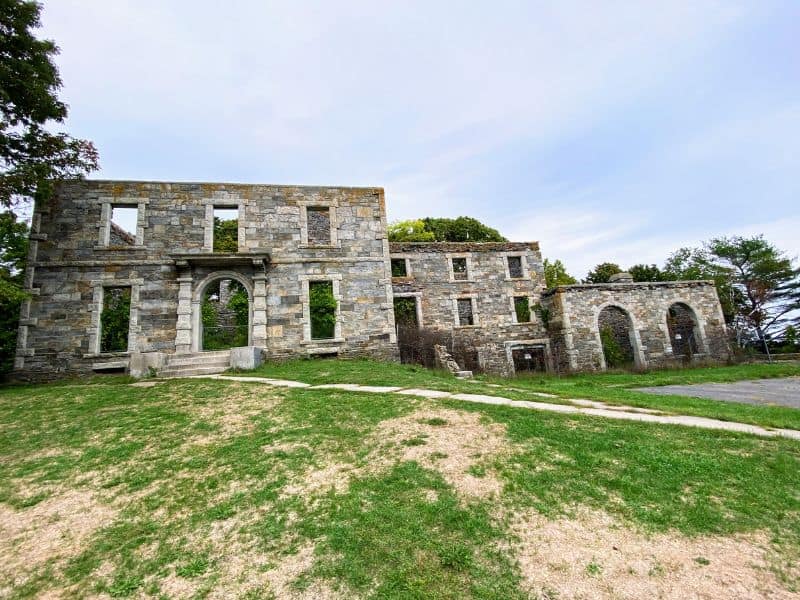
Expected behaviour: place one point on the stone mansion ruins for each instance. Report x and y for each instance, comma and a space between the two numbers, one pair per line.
292, 242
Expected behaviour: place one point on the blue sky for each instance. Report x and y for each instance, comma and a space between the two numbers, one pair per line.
606, 130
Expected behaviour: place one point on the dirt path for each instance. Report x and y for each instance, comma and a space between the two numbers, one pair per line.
578, 406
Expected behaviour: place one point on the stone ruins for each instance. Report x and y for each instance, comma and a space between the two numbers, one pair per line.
289, 244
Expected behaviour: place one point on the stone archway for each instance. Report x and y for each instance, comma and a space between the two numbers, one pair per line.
215, 283
617, 337
684, 333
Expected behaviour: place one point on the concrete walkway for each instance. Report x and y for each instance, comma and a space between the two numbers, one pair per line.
578, 406
769, 392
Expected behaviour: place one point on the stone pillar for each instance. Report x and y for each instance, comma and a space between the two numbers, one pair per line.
259, 333
183, 336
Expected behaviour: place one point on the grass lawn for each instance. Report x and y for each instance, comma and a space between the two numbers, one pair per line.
215, 489
613, 388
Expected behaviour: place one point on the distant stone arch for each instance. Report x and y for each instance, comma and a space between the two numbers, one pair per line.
685, 336
617, 337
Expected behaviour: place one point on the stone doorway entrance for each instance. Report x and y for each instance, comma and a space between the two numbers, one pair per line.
224, 316
529, 359
229, 282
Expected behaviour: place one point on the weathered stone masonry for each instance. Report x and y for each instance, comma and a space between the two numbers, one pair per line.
489, 286
575, 311
73, 258
291, 236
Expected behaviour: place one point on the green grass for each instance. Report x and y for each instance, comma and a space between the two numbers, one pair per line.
202, 473
613, 388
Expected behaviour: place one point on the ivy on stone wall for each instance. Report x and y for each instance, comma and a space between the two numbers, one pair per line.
616, 357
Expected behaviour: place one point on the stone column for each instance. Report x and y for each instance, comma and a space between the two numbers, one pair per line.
259, 333
183, 336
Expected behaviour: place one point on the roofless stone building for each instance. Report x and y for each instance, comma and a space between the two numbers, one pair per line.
171, 285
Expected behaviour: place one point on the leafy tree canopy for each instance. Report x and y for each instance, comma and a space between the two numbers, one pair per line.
643, 272
29, 80
602, 273
555, 273
409, 231
461, 229
764, 282
226, 235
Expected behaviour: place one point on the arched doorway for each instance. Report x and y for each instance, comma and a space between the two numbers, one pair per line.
616, 337
222, 312
683, 330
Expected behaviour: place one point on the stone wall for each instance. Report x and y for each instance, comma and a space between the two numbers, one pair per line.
574, 311
431, 281
76, 252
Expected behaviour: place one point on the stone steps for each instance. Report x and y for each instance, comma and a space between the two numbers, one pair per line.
199, 363
191, 371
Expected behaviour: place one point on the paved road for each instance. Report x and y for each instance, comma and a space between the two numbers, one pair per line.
783, 392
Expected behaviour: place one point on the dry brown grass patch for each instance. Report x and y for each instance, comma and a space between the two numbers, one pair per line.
591, 555
452, 447
53, 530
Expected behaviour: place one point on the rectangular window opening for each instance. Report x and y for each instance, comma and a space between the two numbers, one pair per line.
322, 309
226, 230
319, 225
124, 222
405, 313
460, 269
115, 319
515, 267
522, 308
399, 267
465, 316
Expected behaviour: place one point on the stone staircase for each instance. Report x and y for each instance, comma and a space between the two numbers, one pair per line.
198, 363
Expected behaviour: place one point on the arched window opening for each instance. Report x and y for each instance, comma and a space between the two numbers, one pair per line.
682, 325
615, 335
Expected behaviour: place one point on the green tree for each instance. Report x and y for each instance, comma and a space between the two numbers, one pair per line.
322, 306
30, 153
602, 273
13, 253
115, 319
693, 264
766, 281
555, 273
412, 230
226, 235
643, 272
461, 229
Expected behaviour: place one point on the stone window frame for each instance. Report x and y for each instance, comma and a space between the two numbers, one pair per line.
417, 304
523, 263
456, 317
208, 221
336, 280
407, 259
331, 205
96, 309
107, 205
449, 257
511, 300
